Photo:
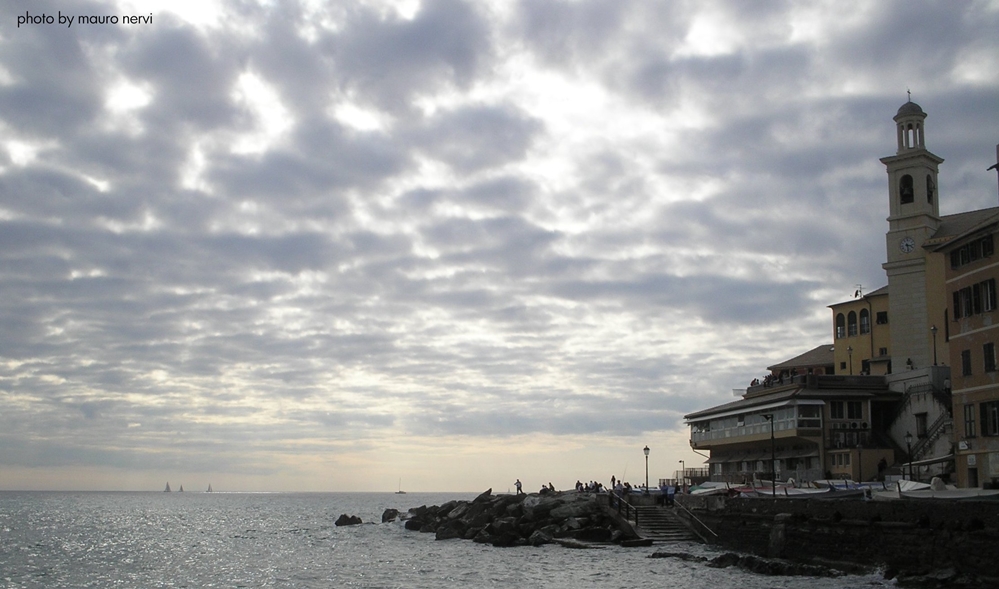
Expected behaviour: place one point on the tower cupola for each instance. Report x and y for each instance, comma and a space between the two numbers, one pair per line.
910, 122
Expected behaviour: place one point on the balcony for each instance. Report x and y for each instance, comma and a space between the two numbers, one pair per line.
800, 426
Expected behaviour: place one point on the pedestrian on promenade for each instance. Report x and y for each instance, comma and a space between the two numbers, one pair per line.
520, 491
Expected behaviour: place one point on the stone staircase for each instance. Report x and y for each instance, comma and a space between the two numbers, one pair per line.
662, 525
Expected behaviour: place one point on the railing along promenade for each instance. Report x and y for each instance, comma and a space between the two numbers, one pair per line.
693, 517
630, 513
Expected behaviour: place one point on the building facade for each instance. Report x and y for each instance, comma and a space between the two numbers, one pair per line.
973, 332
861, 334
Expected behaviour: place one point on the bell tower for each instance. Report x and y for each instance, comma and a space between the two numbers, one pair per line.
914, 216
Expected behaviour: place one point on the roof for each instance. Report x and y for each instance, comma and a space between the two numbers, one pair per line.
813, 387
883, 291
961, 224
909, 108
744, 403
818, 356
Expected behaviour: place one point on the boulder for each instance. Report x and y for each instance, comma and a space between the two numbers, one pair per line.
390, 515
540, 537
347, 520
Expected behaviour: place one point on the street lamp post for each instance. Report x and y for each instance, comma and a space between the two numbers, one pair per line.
683, 475
849, 354
773, 454
933, 330
646, 450
908, 451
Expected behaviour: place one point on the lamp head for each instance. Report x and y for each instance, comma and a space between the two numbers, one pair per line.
646, 450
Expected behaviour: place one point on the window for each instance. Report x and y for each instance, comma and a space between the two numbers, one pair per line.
836, 409
840, 326
905, 192
989, 295
990, 418
966, 363
975, 299
882, 351
989, 352
920, 425
854, 410
970, 252
851, 324
842, 365
969, 421
865, 321
882, 318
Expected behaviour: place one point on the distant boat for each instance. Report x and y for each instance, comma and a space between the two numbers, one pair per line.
181, 489
167, 490
400, 491
209, 488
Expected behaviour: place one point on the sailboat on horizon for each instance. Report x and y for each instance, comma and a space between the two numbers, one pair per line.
400, 491
181, 489
167, 490
209, 488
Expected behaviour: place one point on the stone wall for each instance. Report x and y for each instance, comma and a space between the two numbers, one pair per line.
911, 536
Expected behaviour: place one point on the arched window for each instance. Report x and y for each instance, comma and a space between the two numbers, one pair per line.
929, 189
865, 321
906, 194
851, 324
840, 326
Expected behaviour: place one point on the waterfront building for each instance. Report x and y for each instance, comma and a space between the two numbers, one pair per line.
886, 391
972, 329
802, 422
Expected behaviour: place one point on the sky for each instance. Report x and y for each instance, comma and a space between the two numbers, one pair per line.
441, 245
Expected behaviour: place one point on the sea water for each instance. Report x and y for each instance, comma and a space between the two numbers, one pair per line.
50, 539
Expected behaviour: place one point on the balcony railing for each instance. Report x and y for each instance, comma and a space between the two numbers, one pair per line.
756, 429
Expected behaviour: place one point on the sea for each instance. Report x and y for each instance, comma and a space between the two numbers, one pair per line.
204, 540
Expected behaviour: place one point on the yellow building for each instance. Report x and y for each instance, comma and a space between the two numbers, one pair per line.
862, 337
973, 330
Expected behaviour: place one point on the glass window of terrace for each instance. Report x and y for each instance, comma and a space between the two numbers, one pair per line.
840, 326
851, 323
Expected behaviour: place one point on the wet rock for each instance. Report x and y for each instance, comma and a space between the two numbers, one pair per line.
390, 515
772, 567
347, 520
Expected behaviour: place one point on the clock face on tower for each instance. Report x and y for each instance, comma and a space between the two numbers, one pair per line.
907, 245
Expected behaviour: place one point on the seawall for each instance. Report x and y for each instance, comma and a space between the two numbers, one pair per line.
913, 537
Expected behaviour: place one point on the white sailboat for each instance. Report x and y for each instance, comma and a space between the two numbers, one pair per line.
400, 491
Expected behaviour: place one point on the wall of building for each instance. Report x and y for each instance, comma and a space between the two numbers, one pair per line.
976, 454
863, 346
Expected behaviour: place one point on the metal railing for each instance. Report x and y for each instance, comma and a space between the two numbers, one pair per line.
695, 518
619, 502
932, 433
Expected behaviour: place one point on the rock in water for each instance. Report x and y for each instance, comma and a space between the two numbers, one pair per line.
347, 520
390, 515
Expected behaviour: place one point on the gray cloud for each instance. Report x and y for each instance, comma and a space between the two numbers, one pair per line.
475, 264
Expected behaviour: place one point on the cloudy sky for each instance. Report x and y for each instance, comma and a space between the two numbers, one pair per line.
321, 246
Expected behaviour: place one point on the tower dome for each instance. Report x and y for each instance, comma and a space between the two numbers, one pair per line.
909, 108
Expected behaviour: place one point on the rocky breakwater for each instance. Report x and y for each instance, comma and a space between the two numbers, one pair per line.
575, 520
